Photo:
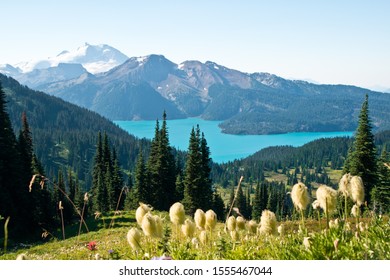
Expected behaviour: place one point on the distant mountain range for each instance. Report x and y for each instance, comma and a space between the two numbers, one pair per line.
247, 103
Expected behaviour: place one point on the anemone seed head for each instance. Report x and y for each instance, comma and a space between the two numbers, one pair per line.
177, 213
134, 238
200, 219
240, 222
344, 185
211, 219
267, 223
188, 228
327, 198
149, 225
252, 226
300, 196
231, 223
357, 190
141, 211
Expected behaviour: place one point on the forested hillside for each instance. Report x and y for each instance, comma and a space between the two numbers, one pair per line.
65, 135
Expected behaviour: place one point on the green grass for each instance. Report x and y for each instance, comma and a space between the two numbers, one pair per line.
111, 242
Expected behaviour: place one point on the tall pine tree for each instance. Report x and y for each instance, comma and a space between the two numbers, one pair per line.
362, 160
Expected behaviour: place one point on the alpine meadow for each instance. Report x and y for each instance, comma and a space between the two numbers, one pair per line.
74, 186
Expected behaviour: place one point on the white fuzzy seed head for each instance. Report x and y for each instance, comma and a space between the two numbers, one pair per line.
177, 213
300, 196
141, 211
203, 237
357, 190
21, 257
159, 226
355, 211
315, 204
188, 228
200, 219
240, 223
267, 223
252, 226
134, 238
327, 198
211, 219
231, 223
149, 225
281, 229
344, 185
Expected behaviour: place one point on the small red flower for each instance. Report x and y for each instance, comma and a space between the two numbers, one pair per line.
91, 246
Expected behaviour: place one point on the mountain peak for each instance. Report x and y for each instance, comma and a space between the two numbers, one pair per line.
94, 58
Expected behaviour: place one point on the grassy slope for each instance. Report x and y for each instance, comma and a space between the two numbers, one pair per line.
371, 243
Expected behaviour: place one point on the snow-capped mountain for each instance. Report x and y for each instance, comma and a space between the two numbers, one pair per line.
247, 103
94, 58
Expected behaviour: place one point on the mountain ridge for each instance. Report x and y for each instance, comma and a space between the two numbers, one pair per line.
247, 103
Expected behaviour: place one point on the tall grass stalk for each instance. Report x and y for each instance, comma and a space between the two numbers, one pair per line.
234, 200
117, 207
62, 219
43, 178
6, 234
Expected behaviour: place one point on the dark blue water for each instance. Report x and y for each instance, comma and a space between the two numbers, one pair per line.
223, 147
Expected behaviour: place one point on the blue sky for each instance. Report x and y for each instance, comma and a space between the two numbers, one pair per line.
333, 41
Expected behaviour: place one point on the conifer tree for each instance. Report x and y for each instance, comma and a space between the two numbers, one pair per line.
381, 193
363, 161
141, 188
197, 183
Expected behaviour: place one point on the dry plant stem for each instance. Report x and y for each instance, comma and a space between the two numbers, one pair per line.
345, 208
6, 234
117, 207
63, 226
234, 200
82, 215
67, 197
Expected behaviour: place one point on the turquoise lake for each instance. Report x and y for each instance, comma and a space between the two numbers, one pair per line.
223, 147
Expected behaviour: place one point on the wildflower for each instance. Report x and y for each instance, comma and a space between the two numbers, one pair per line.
203, 237
159, 226
362, 227
91, 246
45, 234
195, 242
149, 225
240, 223
134, 238
188, 228
86, 197
327, 198
234, 235
60, 207
231, 223
355, 211
141, 211
211, 219
336, 244
98, 257
200, 219
177, 213
21, 257
315, 204
344, 185
281, 229
267, 223
357, 190
252, 226
300, 196
162, 258
306, 242
97, 215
